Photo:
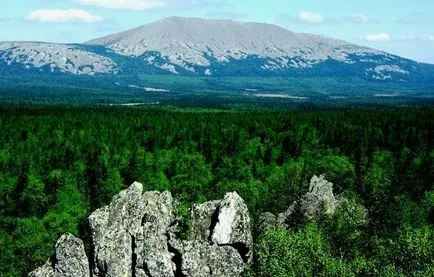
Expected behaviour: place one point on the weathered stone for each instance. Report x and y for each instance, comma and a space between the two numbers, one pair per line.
319, 200
113, 230
201, 259
136, 235
151, 247
233, 225
71, 260
203, 216
44, 271
283, 217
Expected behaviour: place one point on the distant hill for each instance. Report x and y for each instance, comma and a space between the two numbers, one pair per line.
213, 48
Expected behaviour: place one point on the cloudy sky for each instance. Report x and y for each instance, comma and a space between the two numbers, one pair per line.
400, 27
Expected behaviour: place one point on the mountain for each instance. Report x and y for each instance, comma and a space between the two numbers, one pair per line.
54, 57
210, 47
217, 48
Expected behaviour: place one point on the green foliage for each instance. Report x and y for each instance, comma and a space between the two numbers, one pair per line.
59, 164
305, 252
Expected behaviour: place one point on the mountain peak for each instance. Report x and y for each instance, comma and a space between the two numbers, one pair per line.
191, 40
209, 47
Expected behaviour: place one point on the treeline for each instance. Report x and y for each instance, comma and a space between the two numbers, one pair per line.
58, 165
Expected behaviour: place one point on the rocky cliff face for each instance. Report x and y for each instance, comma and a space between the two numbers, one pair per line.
137, 235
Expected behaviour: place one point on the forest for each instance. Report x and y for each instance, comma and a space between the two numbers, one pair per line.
57, 165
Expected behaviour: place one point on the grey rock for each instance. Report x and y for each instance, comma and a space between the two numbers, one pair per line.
318, 202
201, 259
202, 217
225, 223
71, 260
44, 271
113, 230
70, 257
233, 225
283, 217
151, 240
136, 235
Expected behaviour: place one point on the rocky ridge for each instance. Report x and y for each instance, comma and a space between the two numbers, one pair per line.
137, 235
57, 57
201, 46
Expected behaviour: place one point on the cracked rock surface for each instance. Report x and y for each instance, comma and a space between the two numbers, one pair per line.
136, 235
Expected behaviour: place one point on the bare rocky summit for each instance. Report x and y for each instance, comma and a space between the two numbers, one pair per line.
56, 57
204, 47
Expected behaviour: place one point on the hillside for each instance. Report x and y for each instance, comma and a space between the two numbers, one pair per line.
200, 47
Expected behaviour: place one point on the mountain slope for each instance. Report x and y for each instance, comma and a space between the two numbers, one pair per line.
199, 47
222, 47
55, 58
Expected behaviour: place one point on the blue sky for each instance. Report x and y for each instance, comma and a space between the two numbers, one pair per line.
401, 27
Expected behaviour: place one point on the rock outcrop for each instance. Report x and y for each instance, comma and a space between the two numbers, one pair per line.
221, 243
70, 260
136, 235
319, 201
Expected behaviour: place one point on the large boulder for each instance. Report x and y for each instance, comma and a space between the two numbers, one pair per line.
319, 201
202, 259
266, 221
70, 260
151, 244
224, 223
203, 216
113, 229
233, 225
220, 242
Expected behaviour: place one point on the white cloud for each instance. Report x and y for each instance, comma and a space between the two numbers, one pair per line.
430, 37
71, 15
309, 17
378, 37
357, 18
124, 4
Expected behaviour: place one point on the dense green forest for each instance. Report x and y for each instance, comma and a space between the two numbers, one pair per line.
59, 164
